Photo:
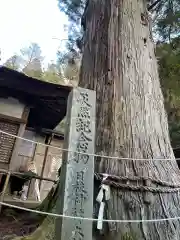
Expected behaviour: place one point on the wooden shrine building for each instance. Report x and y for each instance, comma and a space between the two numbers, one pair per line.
32, 109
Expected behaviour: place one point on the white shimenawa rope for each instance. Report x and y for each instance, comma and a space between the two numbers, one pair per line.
91, 219
90, 154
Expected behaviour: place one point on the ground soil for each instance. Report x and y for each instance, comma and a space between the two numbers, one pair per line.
16, 223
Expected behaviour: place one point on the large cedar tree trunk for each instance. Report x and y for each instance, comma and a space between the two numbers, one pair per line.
119, 63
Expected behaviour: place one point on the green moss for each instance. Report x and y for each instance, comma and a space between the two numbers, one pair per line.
129, 236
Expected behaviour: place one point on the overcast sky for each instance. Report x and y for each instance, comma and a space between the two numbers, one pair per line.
25, 21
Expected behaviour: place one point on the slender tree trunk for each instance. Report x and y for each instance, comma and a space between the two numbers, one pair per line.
119, 63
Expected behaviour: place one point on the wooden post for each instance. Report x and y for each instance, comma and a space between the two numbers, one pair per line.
77, 171
44, 162
34, 153
4, 189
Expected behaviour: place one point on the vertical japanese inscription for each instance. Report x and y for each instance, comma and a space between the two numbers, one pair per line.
81, 156
80, 195
83, 128
78, 173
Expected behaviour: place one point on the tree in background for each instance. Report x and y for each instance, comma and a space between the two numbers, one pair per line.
14, 62
71, 73
169, 68
65, 70
69, 64
168, 19
167, 28
53, 74
32, 60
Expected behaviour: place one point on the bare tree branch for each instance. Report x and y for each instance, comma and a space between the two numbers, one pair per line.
153, 5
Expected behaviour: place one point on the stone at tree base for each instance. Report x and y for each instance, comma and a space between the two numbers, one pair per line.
77, 172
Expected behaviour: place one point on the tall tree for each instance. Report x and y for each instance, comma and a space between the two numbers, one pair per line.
53, 74
71, 72
164, 13
169, 68
14, 62
69, 64
167, 21
32, 59
33, 69
119, 63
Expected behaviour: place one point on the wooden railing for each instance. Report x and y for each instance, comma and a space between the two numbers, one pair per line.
13, 173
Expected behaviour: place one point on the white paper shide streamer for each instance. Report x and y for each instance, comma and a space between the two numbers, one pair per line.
103, 195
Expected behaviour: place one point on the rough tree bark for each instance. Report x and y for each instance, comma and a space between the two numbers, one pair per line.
119, 63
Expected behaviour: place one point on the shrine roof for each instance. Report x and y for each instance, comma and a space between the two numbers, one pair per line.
47, 101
